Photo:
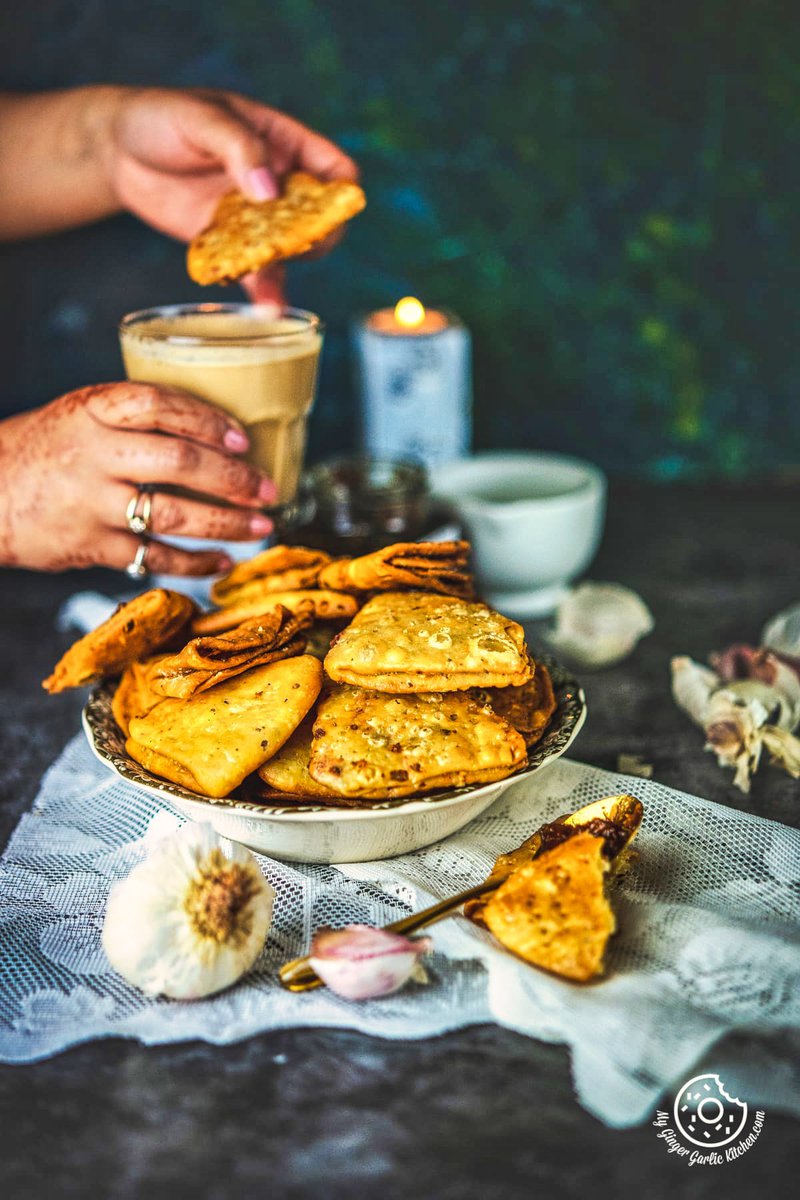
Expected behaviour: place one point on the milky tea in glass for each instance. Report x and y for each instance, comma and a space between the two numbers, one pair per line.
257, 362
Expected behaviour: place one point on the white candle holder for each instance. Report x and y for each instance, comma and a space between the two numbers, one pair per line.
415, 384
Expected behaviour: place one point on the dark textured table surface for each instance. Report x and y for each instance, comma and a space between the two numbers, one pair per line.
477, 1113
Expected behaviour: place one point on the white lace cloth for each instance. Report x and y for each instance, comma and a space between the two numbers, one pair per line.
708, 941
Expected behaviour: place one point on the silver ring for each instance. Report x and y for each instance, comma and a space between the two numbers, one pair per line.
138, 568
139, 521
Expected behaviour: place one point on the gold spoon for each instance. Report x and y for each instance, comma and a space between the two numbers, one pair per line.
623, 810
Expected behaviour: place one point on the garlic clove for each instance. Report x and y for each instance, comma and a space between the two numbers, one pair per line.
362, 963
598, 624
782, 633
191, 919
693, 685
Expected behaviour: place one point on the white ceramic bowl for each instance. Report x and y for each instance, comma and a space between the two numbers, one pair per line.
534, 519
309, 833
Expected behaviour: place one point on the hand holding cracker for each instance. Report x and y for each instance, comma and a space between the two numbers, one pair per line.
246, 236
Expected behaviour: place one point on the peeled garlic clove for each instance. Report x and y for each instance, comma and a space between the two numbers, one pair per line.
360, 963
693, 686
191, 919
598, 624
782, 633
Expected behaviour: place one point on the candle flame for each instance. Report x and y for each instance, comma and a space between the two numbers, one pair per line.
409, 312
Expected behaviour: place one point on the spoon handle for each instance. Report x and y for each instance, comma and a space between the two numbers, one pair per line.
299, 976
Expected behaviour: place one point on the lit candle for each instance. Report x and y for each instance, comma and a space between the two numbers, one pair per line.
415, 380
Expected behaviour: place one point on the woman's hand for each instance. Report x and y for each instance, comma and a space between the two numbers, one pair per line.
173, 154
77, 155
69, 470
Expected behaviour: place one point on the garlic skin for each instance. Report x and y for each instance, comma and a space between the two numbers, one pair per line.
362, 963
191, 919
598, 624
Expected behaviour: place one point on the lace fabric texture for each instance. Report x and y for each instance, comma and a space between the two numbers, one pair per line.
708, 942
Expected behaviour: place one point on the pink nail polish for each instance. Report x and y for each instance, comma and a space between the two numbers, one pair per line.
236, 441
261, 184
260, 526
267, 491
224, 562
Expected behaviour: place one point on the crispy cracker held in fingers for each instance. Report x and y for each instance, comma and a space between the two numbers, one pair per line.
378, 746
553, 912
224, 734
205, 662
246, 235
421, 566
136, 630
421, 642
279, 569
323, 604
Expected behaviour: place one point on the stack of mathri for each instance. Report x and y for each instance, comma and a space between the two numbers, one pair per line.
422, 689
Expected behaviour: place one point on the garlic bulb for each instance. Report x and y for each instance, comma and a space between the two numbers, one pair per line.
191, 919
598, 624
360, 963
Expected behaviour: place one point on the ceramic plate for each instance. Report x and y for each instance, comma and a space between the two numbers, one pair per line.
315, 833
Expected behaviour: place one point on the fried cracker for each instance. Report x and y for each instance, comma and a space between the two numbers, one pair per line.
134, 696
161, 765
279, 569
134, 631
420, 642
205, 662
246, 235
527, 707
323, 604
368, 744
287, 771
553, 912
221, 736
422, 566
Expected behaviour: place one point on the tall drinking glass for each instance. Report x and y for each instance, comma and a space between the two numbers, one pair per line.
258, 362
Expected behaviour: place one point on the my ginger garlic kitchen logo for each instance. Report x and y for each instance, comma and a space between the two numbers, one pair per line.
708, 1127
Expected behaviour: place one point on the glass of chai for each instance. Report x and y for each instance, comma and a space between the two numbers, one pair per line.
258, 362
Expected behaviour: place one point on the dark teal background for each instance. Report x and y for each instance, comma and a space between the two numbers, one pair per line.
607, 193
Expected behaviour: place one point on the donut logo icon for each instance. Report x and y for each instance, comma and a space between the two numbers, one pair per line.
706, 1115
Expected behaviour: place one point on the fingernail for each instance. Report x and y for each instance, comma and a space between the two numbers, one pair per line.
224, 562
261, 184
267, 491
236, 440
260, 525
